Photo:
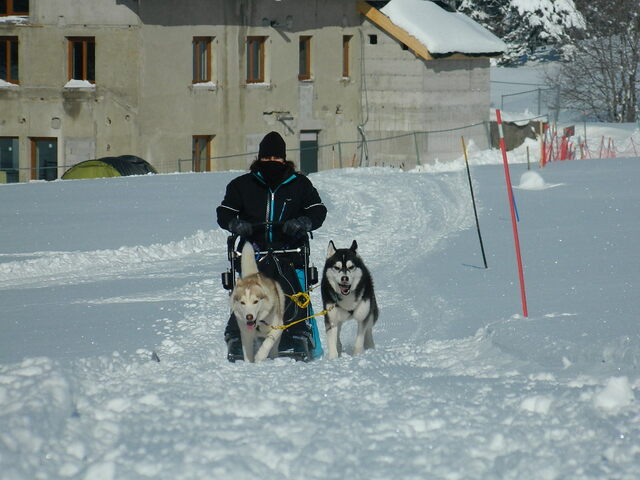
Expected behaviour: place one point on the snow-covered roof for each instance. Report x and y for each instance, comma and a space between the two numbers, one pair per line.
443, 33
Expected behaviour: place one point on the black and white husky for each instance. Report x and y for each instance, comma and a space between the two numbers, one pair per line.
347, 292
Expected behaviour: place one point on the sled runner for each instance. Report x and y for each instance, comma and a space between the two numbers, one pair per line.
290, 267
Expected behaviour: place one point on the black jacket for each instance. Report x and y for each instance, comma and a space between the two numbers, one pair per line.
249, 198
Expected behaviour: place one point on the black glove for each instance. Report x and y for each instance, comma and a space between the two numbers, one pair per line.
240, 227
297, 226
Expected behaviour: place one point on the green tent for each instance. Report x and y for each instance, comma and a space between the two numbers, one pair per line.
121, 166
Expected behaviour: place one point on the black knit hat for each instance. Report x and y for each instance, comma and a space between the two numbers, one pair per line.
273, 145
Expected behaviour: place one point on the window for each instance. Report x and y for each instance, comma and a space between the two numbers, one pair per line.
304, 72
44, 159
255, 59
373, 39
201, 59
345, 55
9, 59
82, 58
201, 153
9, 157
14, 7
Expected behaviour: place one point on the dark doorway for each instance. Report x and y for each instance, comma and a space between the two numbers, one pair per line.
308, 151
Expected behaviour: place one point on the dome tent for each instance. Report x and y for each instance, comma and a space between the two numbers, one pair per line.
121, 166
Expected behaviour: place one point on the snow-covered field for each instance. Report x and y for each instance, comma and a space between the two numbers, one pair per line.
97, 274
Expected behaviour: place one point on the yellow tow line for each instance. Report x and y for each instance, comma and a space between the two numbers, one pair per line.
302, 300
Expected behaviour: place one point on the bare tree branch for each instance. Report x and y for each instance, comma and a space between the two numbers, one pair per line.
601, 76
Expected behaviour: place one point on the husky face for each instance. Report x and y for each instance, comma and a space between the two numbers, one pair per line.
250, 303
343, 268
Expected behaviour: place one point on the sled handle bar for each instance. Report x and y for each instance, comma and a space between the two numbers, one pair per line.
289, 250
232, 252
283, 250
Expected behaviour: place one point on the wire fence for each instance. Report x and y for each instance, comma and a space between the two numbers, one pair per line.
544, 98
403, 150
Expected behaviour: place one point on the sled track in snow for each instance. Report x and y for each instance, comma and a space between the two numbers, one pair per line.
417, 216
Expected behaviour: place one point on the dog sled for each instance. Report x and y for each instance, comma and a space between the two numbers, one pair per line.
291, 268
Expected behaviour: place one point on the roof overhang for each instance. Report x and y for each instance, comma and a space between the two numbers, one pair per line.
382, 21
415, 45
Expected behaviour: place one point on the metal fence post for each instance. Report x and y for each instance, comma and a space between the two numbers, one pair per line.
487, 129
415, 140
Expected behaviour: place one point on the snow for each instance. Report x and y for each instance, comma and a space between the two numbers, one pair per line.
79, 84
97, 274
549, 14
5, 84
440, 31
204, 85
14, 19
532, 180
616, 394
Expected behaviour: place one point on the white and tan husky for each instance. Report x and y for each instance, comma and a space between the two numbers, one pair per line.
258, 304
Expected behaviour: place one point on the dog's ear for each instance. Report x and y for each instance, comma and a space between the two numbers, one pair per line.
331, 249
354, 246
248, 264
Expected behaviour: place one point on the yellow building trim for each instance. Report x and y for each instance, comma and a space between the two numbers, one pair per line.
396, 32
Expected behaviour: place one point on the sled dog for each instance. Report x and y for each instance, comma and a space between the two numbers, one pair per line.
258, 304
347, 292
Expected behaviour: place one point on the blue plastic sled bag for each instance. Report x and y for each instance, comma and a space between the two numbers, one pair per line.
317, 351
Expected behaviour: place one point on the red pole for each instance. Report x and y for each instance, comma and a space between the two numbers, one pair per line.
544, 146
514, 223
551, 152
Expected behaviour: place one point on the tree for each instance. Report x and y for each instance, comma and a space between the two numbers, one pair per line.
531, 29
601, 76
534, 28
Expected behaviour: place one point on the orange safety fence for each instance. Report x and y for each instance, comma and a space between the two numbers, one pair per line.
561, 146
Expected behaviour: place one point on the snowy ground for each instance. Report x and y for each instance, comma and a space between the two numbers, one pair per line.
97, 274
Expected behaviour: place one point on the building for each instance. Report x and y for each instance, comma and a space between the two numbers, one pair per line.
195, 84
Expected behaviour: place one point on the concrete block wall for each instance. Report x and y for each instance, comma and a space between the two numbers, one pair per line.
407, 94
